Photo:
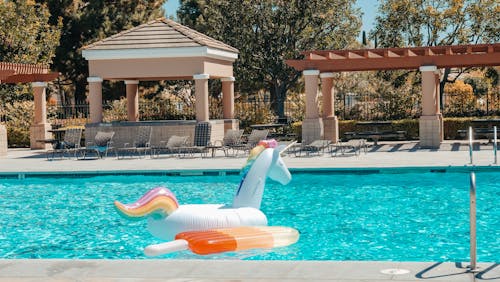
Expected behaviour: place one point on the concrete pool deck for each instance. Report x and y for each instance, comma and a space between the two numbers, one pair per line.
387, 154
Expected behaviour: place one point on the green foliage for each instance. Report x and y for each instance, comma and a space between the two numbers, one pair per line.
26, 36
402, 23
85, 22
18, 120
269, 32
394, 103
430, 23
452, 125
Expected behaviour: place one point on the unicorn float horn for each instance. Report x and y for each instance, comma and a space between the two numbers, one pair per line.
157, 201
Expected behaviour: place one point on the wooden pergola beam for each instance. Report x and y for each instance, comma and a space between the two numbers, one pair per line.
399, 58
24, 73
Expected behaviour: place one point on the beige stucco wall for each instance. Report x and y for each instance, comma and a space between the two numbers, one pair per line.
159, 68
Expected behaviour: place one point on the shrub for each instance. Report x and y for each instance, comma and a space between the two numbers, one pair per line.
18, 120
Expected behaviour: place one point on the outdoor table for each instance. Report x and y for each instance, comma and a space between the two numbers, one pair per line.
374, 134
274, 127
213, 149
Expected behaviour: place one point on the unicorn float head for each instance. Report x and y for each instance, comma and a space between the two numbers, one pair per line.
166, 217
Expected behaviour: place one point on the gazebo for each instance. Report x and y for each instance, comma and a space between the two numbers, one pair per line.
161, 50
428, 60
38, 75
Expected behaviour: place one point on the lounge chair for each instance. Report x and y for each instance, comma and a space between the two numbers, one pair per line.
354, 146
315, 147
69, 145
252, 140
202, 134
172, 146
99, 148
231, 140
141, 145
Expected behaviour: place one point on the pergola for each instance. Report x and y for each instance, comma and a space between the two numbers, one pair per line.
426, 59
38, 75
161, 50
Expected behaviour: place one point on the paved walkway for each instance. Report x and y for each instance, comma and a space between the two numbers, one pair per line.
388, 154
407, 154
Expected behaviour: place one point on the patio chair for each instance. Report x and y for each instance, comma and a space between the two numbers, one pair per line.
231, 140
202, 134
99, 148
141, 145
315, 147
172, 146
354, 146
252, 140
69, 145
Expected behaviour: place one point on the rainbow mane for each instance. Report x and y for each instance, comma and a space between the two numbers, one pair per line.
254, 154
157, 200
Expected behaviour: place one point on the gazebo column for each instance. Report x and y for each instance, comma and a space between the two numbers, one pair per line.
39, 129
228, 103
132, 87
95, 98
201, 96
431, 121
330, 120
312, 126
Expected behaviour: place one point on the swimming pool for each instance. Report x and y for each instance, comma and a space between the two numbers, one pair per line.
341, 215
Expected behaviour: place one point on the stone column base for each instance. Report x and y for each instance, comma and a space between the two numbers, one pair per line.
231, 124
40, 132
331, 128
3, 140
431, 131
312, 129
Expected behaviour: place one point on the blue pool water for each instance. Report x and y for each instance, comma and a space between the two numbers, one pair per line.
340, 216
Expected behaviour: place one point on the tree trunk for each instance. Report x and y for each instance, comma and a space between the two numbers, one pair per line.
442, 83
278, 96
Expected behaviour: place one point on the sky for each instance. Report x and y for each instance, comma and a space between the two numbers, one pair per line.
368, 7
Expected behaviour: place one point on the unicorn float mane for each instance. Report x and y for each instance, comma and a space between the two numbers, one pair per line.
158, 201
262, 161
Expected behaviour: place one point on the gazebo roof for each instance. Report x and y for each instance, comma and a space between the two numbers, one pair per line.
22, 73
158, 38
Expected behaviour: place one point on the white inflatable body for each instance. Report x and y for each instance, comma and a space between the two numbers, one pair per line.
202, 217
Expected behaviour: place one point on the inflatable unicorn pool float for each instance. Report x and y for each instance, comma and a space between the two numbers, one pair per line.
213, 228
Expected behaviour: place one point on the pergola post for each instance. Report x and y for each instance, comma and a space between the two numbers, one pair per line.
431, 121
312, 126
39, 129
132, 88
228, 103
95, 98
201, 96
330, 120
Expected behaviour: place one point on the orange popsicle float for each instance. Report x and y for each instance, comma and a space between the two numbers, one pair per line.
207, 242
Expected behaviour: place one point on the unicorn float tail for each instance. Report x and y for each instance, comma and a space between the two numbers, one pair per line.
158, 201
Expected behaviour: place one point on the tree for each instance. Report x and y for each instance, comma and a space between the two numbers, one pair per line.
461, 98
26, 36
85, 22
268, 32
402, 23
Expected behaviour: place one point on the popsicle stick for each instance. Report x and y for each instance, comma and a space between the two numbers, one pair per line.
166, 248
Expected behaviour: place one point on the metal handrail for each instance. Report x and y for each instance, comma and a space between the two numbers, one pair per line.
470, 144
472, 222
495, 144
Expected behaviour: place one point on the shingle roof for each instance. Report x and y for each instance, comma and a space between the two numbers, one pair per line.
159, 33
